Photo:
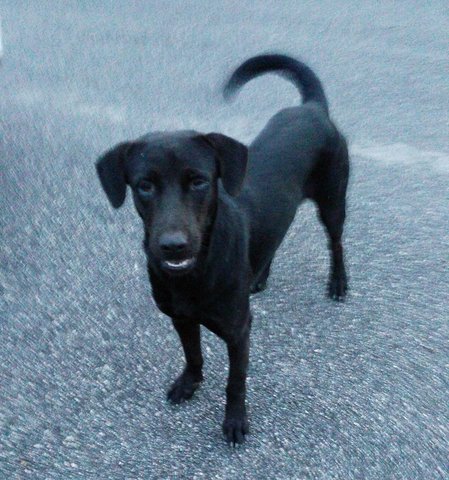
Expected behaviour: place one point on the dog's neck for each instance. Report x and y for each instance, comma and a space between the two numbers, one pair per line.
228, 242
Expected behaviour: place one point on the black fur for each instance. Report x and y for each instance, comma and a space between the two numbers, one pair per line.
211, 232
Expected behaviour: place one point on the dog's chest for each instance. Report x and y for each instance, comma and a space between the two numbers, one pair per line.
180, 303
184, 305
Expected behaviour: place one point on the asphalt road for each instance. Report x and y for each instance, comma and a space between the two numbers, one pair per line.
352, 391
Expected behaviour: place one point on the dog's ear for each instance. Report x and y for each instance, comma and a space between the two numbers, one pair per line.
111, 170
232, 159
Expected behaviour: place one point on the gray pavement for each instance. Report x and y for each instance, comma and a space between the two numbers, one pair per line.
352, 391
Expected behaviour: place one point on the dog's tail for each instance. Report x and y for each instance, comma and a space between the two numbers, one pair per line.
297, 72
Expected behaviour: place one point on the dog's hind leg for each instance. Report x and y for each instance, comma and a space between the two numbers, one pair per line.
329, 192
333, 219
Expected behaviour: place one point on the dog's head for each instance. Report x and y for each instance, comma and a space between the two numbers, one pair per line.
174, 180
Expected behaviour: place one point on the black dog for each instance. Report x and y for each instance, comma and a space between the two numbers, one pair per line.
211, 231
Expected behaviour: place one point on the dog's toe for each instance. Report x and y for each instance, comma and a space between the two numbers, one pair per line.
235, 429
338, 289
183, 388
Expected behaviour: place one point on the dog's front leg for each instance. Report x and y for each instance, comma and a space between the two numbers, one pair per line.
190, 379
235, 425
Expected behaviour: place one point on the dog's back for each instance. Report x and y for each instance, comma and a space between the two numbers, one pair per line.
284, 154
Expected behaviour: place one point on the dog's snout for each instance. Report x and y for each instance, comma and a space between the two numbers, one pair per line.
173, 242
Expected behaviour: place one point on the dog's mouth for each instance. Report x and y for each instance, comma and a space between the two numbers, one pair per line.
179, 265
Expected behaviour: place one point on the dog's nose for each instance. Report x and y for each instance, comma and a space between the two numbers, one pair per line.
173, 242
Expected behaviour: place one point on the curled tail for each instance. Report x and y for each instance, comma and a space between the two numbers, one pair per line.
297, 72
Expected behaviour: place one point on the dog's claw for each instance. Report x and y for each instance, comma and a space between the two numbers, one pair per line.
183, 388
338, 298
235, 429
258, 287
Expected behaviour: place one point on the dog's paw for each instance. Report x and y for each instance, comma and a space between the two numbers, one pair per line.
235, 427
338, 288
184, 387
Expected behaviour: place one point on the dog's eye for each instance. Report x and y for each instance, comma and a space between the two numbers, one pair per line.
198, 184
146, 188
